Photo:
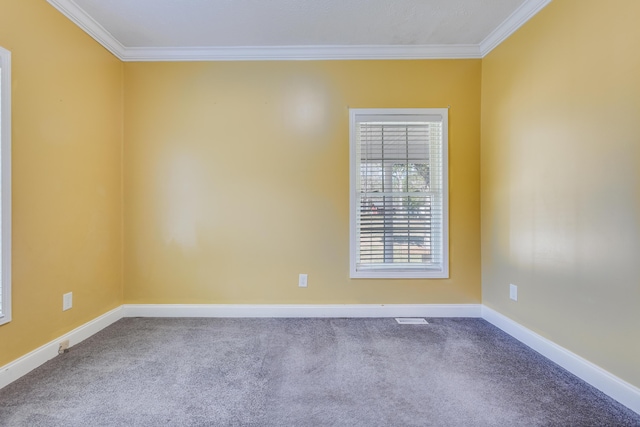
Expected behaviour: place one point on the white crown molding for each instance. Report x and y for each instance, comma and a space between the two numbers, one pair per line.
509, 26
89, 25
604, 381
284, 53
258, 53
301, 310
25, 364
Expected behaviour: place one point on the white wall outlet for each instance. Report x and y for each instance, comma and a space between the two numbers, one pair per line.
513, 292
302, 281
64, 347
67, 301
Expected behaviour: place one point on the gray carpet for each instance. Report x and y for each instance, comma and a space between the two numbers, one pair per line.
304, 372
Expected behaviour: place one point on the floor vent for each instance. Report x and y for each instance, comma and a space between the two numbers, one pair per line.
411, 321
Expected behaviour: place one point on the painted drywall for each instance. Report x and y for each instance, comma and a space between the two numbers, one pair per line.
236, 179
66, 163
561, 181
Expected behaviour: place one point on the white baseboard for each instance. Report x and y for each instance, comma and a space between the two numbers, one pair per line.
293, 310
37, 357
604, 381
25, 364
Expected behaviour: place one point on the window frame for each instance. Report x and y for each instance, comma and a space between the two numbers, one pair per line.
5, 184
400, 272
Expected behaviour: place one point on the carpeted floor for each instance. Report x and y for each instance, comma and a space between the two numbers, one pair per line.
304, 372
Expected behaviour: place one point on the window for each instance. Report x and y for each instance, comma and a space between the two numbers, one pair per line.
5, 186
399, 193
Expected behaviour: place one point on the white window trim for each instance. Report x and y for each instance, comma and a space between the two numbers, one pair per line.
391, 272
5, 177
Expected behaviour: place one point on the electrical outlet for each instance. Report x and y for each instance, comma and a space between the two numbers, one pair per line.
64, 347
302, 281
513, 292
67, 301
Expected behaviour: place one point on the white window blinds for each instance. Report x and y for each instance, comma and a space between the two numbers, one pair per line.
399, 193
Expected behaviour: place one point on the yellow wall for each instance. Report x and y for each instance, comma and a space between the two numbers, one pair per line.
561, 181
67, 135
236, 179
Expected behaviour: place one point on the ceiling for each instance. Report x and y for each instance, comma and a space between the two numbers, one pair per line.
173, 30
